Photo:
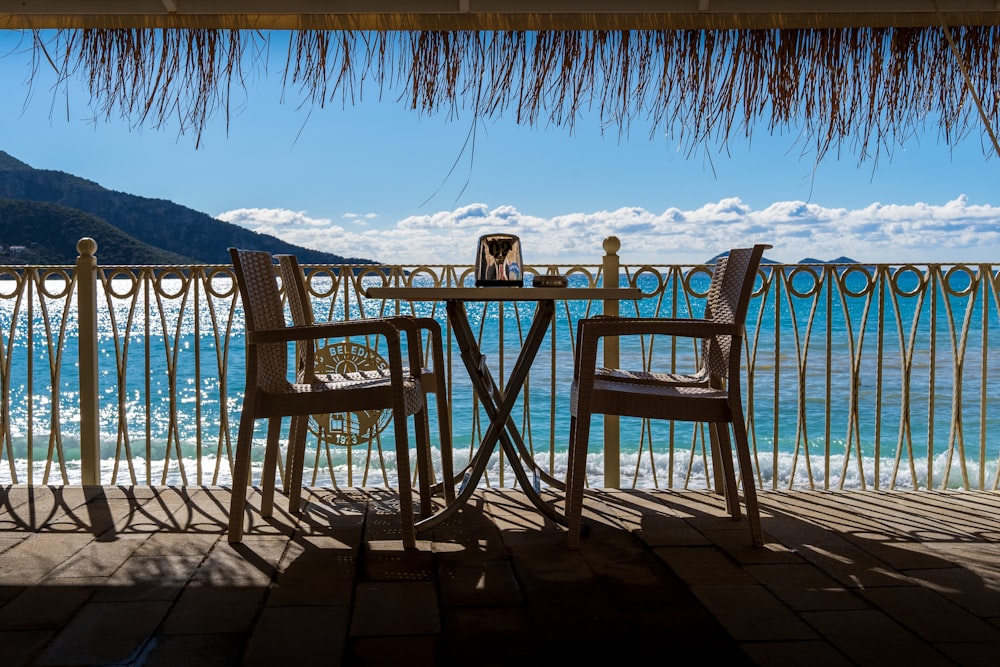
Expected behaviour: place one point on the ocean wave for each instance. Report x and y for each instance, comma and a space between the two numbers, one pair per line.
659, 471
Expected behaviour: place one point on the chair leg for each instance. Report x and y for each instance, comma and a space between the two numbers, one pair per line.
732, 493
241, 471
749, 483
425, 475
295, 461
576, 476
717, 467
444, 426
568, 498
408, 531
267, 482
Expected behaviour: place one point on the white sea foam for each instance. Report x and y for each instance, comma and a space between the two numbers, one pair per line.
680, 472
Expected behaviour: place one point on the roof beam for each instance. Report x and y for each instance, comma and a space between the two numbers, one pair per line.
492, 14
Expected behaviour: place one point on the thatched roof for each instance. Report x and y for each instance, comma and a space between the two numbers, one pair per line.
493, 14
862, 75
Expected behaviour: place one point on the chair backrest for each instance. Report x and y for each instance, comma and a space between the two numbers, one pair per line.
728, 301
258, 286
297, 296
295, 290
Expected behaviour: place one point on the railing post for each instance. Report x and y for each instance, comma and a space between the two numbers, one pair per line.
86, 295
612, 443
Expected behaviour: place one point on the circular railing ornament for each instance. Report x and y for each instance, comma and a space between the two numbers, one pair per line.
348, 429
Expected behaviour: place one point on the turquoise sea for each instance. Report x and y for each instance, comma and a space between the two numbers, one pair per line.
872, 426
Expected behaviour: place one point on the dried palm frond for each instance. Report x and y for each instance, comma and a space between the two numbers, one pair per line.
866, 88
154, 77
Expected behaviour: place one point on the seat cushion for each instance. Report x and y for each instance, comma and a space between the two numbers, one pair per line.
689, 402
648, 377
413, 396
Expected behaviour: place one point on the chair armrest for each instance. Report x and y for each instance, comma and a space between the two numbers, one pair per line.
590, 330
414, 342
433, 328
634, 326
372, 327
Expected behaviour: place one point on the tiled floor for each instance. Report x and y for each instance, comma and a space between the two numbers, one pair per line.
145, 576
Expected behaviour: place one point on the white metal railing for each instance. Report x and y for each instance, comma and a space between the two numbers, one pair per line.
869, 377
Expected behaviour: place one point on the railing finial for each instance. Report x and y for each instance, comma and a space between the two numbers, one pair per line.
612, 245
87, 247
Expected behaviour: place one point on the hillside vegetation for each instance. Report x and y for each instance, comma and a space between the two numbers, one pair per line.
135, 230
48, 234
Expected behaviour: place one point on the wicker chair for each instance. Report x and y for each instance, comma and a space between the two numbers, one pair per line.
432, 381
269, 394
711, 395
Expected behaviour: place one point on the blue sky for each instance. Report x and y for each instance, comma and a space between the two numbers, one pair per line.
376, 179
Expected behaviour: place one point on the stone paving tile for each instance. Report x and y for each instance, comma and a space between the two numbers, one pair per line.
963, 587
539, 567
738, 544
105, 634
658, 530
563, 612
467, 540
309, 593
97, 559
931, 616
382, 520
298, 636
8, 593
177, 544
850, 565
971, 654
387, 560
46, 606
109, 512
317, 557
195, 650
36, 557
214, 610
870, 637
395, 608
703, 565
634, 579
938, 516
21, 647
149, 578
691, 505
795, 654
805, 587
897, 554
226, 564
315, 570
752, 613
11, 540
487, 583
13, 496
412, 651
34, 507
981, 557
467, 630
164, 509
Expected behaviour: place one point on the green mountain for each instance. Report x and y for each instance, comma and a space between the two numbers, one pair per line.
38, 233
145, 227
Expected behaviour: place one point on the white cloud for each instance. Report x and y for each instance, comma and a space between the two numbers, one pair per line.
360, 219
955, 231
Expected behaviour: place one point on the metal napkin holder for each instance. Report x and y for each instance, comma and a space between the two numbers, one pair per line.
498, 262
